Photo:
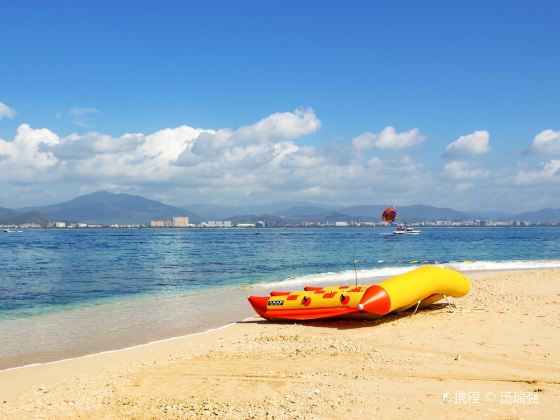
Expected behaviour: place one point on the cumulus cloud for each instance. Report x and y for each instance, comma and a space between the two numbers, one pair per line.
183, 155
285, 125
477, 143
389, 138
547, 142
462, 170
85, 146
6, 111
548, 172
23, 160
259, 161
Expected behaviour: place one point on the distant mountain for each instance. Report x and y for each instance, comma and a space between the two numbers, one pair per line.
369, 211
6, 215
429, 213
494, 215
220, 212
31, 217
333, 216
544, 215
373, 212
13, 217
292, 214
106, 208
320, 212
303, 211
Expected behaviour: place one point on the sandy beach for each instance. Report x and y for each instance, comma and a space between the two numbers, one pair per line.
496, 355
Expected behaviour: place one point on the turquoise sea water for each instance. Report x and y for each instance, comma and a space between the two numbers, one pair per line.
65, 293
46, 270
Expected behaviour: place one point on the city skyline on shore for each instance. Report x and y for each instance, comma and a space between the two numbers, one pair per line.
104, 208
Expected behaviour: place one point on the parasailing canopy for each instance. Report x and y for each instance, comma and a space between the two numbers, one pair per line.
389, 214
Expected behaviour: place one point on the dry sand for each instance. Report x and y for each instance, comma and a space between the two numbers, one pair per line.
496, 356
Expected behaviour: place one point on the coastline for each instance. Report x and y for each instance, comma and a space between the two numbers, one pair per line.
118, 324
502, 338
133, 347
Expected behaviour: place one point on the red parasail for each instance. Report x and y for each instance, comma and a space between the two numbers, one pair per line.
389, 214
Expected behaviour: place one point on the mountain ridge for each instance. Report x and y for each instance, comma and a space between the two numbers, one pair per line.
104, 207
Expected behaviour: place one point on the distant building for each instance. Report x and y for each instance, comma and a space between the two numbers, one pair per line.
59, 224
218, 223
246, 225
181, 222
30, 225
341, 224
157, 223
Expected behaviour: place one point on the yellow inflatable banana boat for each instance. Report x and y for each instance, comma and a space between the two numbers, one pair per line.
420, 287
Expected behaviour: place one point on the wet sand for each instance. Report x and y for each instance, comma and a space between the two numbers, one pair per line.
495, 355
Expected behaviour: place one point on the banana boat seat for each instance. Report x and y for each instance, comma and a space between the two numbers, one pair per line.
417, 288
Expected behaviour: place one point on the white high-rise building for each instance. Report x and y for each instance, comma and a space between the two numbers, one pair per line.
181, 221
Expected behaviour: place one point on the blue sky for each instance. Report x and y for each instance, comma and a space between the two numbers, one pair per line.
90, 72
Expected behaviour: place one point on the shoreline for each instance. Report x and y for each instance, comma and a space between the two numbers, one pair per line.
325, 369
242, 311
136, 346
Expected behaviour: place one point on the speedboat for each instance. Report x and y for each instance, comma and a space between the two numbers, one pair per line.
406, 230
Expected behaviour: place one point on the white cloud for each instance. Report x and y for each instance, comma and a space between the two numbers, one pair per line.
80, 116
6, 111
549, 173
462, 170
260, 162
285, 125
547, 142
388, 139
477, 143
81, 111
464, 186
266, 142
24, 159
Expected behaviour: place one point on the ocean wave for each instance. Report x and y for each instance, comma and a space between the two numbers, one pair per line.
349, 276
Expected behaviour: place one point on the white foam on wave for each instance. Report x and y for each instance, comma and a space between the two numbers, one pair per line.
502, 265
340, 276
349, 276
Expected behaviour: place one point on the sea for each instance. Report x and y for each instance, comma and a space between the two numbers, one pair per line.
71, 292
